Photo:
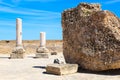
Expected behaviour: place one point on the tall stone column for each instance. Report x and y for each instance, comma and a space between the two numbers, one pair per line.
18, 51
18, 32
42, 51
42, 39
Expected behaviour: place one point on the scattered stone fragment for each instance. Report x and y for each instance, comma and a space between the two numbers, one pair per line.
61, 69
53, 53
56, 61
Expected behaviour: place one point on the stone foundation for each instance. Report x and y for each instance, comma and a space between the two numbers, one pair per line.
17, 56
42, 55
17, 53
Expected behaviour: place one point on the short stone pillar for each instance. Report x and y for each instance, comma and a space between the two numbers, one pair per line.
18, 51
42, 51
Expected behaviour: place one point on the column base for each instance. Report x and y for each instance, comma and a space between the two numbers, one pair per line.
42, 50
16, 56
42, 55
17, 53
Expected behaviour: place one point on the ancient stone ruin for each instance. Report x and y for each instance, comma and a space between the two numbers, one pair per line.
42, 51
91, 37
18, 51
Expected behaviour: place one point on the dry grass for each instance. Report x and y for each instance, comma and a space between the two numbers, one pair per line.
30, 46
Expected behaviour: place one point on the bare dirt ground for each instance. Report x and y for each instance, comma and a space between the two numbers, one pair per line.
30, 46
34, 69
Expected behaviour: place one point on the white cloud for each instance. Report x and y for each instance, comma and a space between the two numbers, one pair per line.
29, 12
9, 8
5, 4
112, 1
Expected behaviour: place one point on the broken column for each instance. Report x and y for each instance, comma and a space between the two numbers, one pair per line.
42, 39
42, 51
18, 51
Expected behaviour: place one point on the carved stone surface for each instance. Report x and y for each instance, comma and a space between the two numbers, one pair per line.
91, 37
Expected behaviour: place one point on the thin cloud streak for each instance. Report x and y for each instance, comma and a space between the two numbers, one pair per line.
5, 7
25, 11
6, 4
37, 24
41, 0
112, 1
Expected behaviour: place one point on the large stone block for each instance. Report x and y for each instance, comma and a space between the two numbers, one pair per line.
62, 69
91, 37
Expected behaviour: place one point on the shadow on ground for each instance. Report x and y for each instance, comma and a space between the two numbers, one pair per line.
4, 57
107, 72
42, 67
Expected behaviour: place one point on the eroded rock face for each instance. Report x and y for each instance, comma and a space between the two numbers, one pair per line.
91, 37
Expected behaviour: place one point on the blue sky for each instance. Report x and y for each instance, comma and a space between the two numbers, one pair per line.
41, 16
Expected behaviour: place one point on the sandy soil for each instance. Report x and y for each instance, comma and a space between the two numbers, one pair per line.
30, 46
34, 69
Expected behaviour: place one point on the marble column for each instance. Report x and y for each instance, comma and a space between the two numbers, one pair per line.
18, 51
18, 32
42, 39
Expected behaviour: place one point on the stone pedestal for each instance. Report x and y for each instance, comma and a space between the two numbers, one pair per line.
42, 51
62, 69
42, 55
18, 51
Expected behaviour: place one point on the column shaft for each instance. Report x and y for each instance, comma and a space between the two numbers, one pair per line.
42, 39
18, 32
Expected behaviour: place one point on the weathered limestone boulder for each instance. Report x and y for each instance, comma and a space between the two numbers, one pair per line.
91, 37
61, 69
